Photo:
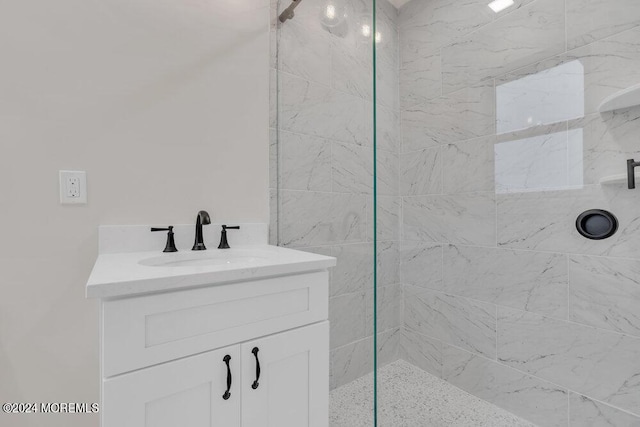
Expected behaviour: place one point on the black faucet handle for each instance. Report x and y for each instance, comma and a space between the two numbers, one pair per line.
224, 243
171, 243
631, 177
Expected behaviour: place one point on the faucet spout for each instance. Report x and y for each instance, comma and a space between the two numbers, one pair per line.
203, 218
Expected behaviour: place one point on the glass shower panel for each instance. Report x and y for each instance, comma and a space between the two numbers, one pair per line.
322, 174
391, 374
515, 118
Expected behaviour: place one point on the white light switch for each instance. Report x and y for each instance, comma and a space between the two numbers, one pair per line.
73, 187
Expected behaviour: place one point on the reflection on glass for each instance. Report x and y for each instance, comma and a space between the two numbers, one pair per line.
538, 156
333, 17
547, 97
546, 162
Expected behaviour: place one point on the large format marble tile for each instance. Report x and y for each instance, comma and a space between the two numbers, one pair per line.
525, 280
388, 345
355, 359
546, 220
607, 141
605, 293
306, 14
517, 4
352, 168
351, 66
465, 114
388, 216
587, 412
273, 217
528, 35
531, 398
543, 97
313, 218
354, 270
421, 172
608, 66
387, 13
421, 264
347, 317
305, 52
317, 110
388, 129
461, 218
597, 363
273, 37
592, 20
421, 351
388, 263
274, 103
468, 166
273, 158
304, 163
389, 308
420, 76
387, 84
543, 161
387, 179
350, 362
426, 26
458, 321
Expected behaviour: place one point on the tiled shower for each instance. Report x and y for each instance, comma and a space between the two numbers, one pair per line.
491, 140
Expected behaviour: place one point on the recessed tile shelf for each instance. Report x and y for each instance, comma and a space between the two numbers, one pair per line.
629, 97
616, 179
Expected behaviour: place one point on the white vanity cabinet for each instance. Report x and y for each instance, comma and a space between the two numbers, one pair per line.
291, 389
185, 392
163, 355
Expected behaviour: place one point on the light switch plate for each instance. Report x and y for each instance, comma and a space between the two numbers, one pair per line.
73, 187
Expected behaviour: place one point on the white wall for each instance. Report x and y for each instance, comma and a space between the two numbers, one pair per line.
165, 104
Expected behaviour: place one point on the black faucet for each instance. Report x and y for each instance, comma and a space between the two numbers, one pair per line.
224, 243
202, 219
171, 243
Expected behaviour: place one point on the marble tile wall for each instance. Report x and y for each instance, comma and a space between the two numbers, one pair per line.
322, 169
502, 147
490, 144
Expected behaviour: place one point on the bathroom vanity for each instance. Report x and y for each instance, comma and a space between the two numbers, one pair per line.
235, 337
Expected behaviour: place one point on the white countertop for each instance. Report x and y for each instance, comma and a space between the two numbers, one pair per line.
121, 274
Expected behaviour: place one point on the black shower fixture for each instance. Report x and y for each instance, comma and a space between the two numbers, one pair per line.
597, 224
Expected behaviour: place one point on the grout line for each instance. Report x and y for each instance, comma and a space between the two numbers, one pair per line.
496, 332
568, 390
514, 249
566, 29
568, 260
495, 199
426, 289
626, 411
569, 408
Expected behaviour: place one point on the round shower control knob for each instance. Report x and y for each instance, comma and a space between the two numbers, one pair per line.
597, 224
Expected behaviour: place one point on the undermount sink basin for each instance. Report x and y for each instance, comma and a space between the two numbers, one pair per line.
199, 259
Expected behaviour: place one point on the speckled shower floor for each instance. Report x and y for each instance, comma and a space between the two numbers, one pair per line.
411, 397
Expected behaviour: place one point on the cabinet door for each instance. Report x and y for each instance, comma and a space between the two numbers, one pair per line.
186, 392
293, 386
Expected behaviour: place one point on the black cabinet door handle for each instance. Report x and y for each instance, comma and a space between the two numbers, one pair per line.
227, 393
255, 353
